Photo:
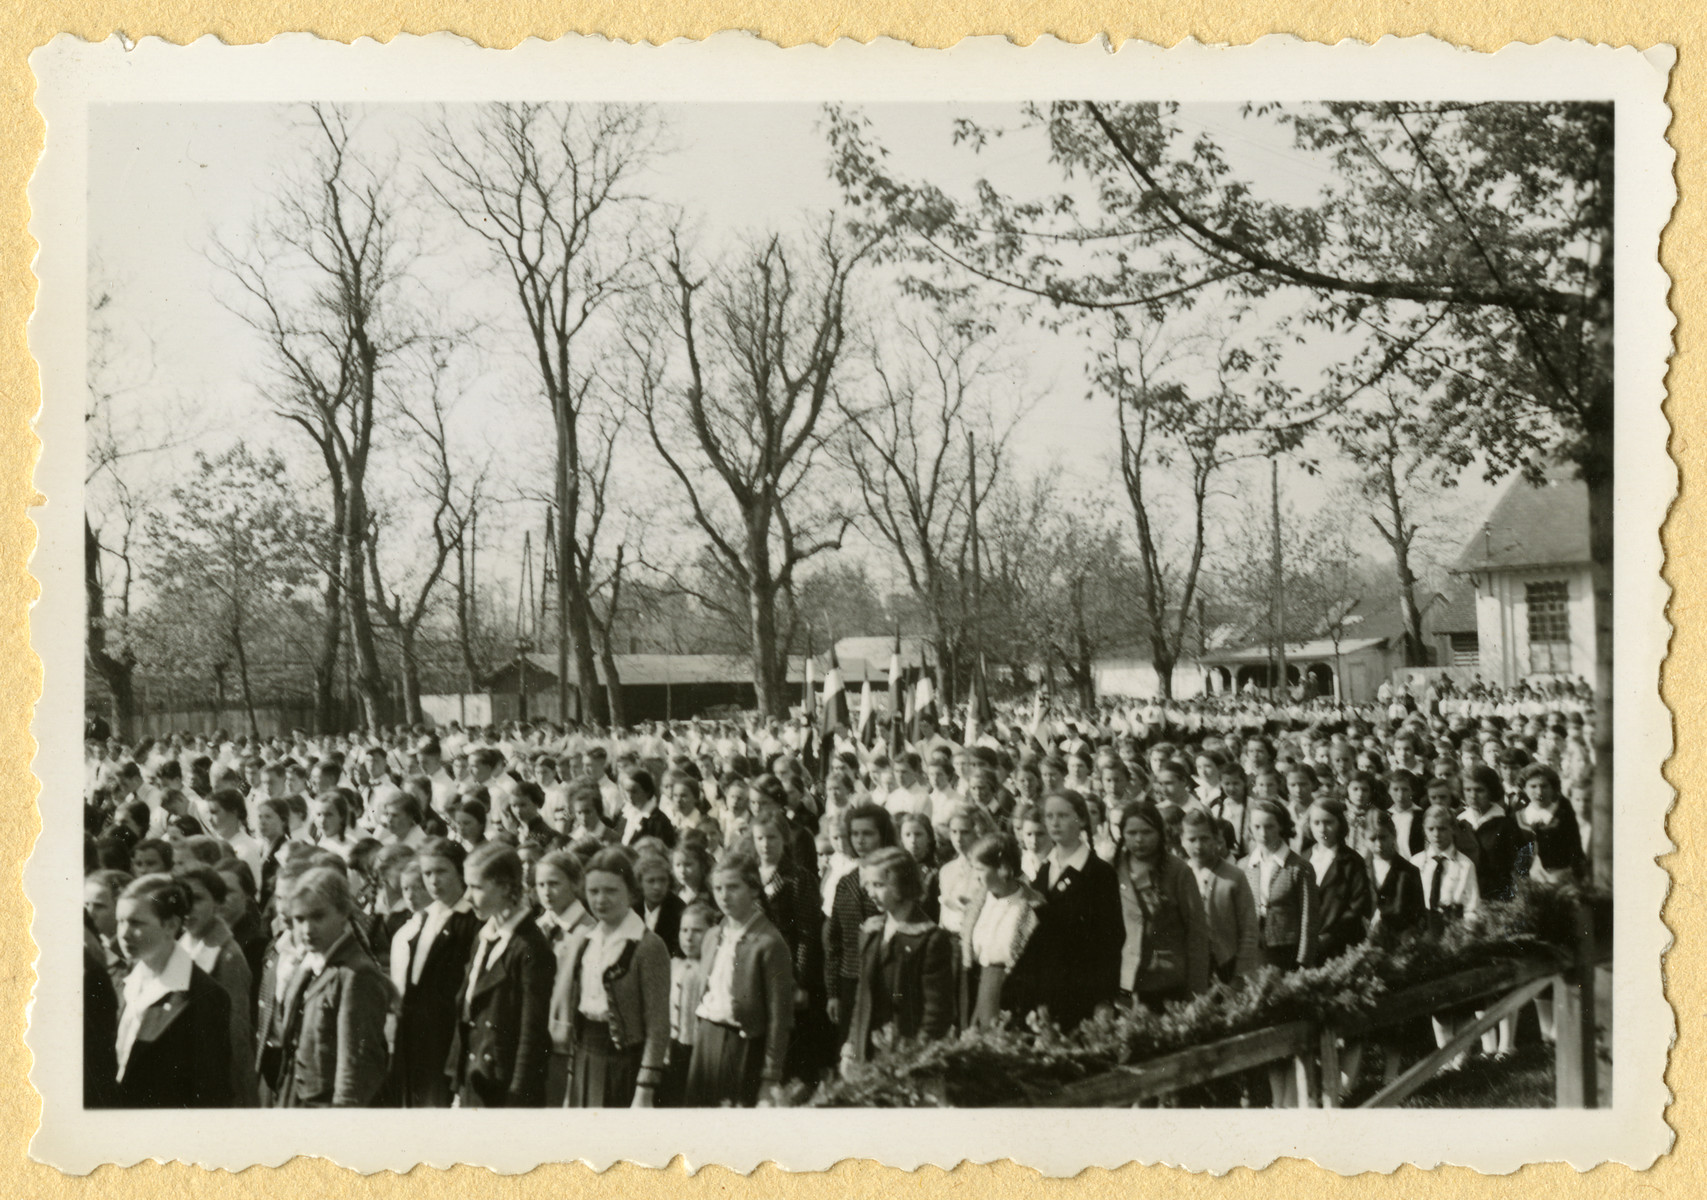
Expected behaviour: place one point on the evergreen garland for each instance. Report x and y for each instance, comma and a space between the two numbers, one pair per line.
1019, 1067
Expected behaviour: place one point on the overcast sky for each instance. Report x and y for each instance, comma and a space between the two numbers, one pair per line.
164, 181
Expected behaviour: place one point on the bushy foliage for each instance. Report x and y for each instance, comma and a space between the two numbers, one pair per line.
1018, 1067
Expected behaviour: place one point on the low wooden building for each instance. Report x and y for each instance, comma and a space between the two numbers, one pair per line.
655, 687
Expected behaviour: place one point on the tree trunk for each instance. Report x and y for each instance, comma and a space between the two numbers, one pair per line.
370, 680
593, 706
562, 419
613, 681
769, 685
1163, 659
1398, 536
1600, 513
464, 630
116, 671
242, 652
326, 658
411, 674
1084, 671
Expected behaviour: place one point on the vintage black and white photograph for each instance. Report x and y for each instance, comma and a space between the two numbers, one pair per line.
863, 601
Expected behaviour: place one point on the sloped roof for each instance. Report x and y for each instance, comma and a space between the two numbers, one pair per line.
1455, 613
659, 669
868, 657
1316, 648
1532, 526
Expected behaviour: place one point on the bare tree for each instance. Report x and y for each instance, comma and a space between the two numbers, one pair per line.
1166, 427
1406, 462
907, 446
121, 437
742, 425
451, 497
542, 186
324, 277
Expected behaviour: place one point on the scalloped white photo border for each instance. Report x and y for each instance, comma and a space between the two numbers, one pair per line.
73, 74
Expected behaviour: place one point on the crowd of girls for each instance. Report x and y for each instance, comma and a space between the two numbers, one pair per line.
704, 914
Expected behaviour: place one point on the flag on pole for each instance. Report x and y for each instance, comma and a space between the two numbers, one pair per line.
974, 710
980, 716
867, 715
807, 706
897, 700
924, 710
833, 713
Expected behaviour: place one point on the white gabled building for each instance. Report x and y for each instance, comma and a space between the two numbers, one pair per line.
1534, 592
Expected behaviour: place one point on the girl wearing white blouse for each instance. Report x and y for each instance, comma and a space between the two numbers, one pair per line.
1450, 892
958, 879
998, 927
332, 818
565, 922
619, 995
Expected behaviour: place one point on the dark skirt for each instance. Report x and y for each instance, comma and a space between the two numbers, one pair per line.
987, 996
1283, 957
672, 1089
1155, 999
557, 1079
602, 1076
727, 1068
847, 992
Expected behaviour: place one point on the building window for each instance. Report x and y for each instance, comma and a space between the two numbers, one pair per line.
1466, 650
1549, 626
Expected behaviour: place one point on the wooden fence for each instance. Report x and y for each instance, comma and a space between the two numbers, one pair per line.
1318, 1049
270, 719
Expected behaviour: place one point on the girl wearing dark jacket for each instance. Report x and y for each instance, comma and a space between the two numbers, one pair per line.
868, 828
744, 1019
1343, 891
1502, 849
906, 980
174, 1027
429, 958
791, 902
334, 1036
503, 1042
1081, 919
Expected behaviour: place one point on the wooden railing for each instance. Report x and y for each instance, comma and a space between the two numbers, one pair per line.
1317, 1049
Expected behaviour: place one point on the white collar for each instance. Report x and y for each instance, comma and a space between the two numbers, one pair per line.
1477, 820
440, 911
630, 929
567, 919
203, 954
496, 931
144, 985
891, 926
732, 932
1073, 861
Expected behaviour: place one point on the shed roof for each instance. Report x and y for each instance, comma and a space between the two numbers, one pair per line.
1532, 526
659, 669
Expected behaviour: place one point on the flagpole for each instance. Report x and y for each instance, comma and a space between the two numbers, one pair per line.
979, 683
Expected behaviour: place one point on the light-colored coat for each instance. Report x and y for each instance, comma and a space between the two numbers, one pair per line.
1290, 914
1232, 913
